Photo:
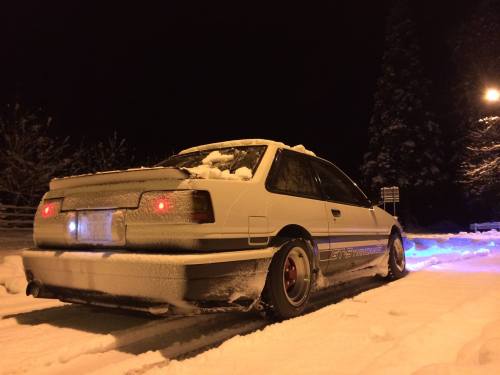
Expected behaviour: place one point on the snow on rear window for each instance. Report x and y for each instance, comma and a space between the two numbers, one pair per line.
232, 163
217, 157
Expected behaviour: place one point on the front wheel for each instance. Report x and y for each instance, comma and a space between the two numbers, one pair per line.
288, 284
397, 258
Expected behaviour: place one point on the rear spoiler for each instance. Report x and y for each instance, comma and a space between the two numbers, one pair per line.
137, 174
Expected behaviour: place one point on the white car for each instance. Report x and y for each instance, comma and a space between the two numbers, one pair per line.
241, 224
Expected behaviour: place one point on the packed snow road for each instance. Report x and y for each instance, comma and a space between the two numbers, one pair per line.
443, 318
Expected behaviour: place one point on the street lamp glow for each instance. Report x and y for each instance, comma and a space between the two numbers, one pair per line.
492, 95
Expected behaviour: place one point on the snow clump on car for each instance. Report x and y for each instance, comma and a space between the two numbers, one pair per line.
301, 148
207, 169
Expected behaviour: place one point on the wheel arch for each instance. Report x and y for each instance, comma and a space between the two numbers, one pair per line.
395, 230
292, 231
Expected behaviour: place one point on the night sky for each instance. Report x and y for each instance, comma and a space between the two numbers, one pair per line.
178, 73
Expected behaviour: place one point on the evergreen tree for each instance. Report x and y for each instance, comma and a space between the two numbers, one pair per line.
476, 54
405, 141
481, 168
111, 154
29, 157
477, 60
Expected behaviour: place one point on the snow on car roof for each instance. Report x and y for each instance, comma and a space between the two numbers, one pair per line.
246, 142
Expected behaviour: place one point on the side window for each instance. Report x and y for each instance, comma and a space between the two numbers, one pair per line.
293, 175
337, 186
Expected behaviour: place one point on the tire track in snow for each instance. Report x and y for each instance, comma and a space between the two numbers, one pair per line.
75, 334
213, 336
62, 345
157, 350
115, 340
248, 323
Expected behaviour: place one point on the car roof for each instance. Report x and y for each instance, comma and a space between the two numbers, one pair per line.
246, 142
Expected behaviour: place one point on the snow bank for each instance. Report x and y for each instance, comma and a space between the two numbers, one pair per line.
209, 171
480, 236
435, 260
428, 250
12, 277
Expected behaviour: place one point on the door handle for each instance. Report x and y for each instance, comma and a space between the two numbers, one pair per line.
336, 213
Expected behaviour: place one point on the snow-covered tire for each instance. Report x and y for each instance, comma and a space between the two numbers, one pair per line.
397, 258
289, 280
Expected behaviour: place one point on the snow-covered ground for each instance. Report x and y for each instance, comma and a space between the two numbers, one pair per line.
12, 241
443, 318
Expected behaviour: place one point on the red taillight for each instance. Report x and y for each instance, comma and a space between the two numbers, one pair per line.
49, 210
176, 207
162, 205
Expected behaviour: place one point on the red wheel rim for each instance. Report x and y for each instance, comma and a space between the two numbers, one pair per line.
296, 276
290, 274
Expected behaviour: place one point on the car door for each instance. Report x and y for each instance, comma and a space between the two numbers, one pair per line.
355, 239
298, 199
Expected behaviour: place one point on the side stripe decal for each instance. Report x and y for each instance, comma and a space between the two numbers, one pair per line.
352, 252
351, 238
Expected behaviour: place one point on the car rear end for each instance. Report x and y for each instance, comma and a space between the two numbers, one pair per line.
143, 238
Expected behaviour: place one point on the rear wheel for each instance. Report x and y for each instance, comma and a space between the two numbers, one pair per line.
397, 259
288, 284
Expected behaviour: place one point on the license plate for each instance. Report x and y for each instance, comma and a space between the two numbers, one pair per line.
101, 227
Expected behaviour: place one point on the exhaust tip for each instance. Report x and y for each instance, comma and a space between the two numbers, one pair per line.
33, 288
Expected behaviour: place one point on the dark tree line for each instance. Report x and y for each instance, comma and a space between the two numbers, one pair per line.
30, 156
439, 167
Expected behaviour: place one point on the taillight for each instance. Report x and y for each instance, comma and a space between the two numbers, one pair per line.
50, 209
162, 205
176, 207
202, 207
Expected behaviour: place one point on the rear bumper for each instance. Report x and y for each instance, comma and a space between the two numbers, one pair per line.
134, 279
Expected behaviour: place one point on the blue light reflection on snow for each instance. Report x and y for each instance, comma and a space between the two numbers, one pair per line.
442, 252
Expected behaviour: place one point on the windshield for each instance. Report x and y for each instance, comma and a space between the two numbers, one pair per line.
230, 163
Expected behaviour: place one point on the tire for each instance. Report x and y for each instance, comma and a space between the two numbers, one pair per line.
289, 280
397, 258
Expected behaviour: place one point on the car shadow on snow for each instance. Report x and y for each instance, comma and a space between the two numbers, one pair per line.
83, 317
174, 337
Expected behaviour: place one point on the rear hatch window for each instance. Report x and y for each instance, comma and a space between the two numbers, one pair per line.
232, 163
